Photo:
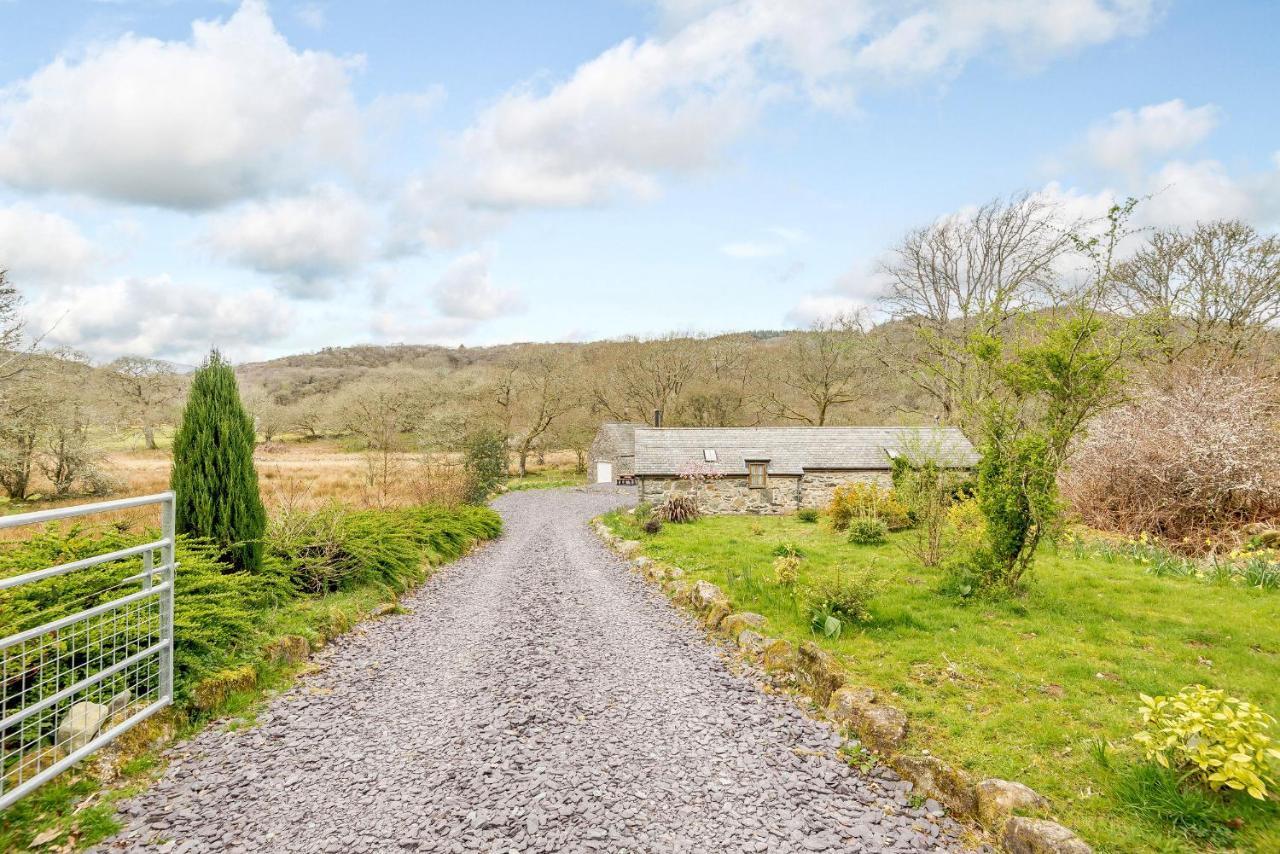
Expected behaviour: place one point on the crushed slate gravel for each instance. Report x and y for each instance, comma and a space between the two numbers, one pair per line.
538, 697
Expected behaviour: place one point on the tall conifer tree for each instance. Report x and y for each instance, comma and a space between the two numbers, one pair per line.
213, 474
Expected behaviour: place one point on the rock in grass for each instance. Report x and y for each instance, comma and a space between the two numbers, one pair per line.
628, 547
883, 728
749, 640
933, 778
212, 691
819, 671
290, 649
735, 623
81, 723
998, 799
1040, 836
716, 613
778, 655
705, 594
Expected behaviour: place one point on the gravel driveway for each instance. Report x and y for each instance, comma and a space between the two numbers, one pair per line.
539, 697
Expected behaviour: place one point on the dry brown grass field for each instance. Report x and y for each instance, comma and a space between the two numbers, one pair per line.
303, 475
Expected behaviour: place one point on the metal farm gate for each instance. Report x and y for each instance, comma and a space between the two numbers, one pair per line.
97, 657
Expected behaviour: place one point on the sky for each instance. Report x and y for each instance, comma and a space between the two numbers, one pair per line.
274, 178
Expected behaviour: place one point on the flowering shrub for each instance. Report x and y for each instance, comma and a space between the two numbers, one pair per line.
866, 501
786, 570
1215, 739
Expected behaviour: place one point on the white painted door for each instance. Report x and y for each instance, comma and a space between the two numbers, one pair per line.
604, 472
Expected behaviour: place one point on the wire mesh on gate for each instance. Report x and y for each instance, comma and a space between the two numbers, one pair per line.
89, 653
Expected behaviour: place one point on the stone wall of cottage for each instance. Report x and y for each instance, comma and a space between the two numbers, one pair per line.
784, 494
603, 447
816, 486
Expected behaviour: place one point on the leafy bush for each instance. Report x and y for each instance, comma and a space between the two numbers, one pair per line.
966, 526
642, 512
866, 500
807, 515
868, 532
679, 509
331, 548
786, 570
485, 465
1211, 738
845, 598
787, 549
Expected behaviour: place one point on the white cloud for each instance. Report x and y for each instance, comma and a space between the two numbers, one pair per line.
159, 317
944, 35
303, 239
232, 113
671, 104
781, 241
1129, 139
42, 247
813, 308
1185, 193
465, 291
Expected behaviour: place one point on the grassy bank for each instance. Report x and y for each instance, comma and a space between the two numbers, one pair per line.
237, 635
1025, 688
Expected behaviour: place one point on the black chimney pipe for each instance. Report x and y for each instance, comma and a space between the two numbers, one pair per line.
657, 418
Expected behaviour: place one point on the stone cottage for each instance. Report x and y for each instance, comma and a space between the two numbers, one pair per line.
781, 469
612, 455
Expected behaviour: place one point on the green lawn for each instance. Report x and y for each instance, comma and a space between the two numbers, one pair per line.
548, 478
1019, 689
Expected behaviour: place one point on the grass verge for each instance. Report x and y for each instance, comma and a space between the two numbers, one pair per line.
1023, 689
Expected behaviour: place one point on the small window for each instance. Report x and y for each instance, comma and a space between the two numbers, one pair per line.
709, 455
757, 475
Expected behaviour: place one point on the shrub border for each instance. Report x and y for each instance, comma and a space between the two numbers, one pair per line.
993, 803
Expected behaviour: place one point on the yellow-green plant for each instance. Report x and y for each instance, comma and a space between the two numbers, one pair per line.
866, 501
966, 526
786, 569
1213, 738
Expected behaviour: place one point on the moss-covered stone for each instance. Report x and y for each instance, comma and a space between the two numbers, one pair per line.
290, 649
716, 614
933, 778
999, 799
1040, 836
735, 623
818, 671
211, 692
778, 655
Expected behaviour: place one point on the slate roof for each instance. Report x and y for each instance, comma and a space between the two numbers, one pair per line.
792, 450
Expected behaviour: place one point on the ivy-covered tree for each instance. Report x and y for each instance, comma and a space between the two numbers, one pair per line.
213, 474
486, 464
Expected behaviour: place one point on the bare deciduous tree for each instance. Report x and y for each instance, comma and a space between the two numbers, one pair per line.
820, 371
146, 391
969, 273
10, 330
1211, 292
534, 392
647, 376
